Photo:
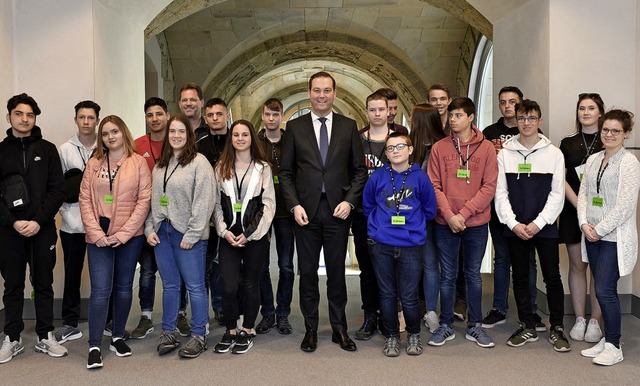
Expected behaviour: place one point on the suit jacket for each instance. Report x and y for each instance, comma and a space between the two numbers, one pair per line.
302, 171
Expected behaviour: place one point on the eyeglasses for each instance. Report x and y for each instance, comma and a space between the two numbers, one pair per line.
531, 119
589, 95
614, 132
397, 147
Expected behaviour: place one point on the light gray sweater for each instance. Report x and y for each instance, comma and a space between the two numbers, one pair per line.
190, 193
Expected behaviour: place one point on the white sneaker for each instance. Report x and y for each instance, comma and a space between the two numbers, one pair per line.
578, 330
51, 347
431, 321
594, 333
10, 349
609, 356
593, 351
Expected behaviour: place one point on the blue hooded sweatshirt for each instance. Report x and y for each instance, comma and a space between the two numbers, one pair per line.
417, 203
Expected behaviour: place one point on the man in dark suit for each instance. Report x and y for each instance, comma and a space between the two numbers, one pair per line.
322, 176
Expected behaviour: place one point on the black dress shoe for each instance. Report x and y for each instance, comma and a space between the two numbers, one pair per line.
310, 341
342, 338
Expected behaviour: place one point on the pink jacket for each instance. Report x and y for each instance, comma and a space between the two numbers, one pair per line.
469, 197
131, 203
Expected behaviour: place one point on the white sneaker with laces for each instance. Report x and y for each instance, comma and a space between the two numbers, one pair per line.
10, 349
593, 351
51, 347
609, 356
578, 330
594, 333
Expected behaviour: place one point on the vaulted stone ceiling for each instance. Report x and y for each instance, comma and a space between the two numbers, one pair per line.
248, 50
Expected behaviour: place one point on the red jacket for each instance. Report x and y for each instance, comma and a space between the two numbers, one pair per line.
469, 197
131, 204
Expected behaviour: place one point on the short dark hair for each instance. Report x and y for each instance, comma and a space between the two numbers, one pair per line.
214, 102
527, 106
439, 86
376, 96
15, 100
322, 74
513, 89
464, 103
190, 86
623, 116
390, 94
273, 104
395, 134
155, 101
88, 105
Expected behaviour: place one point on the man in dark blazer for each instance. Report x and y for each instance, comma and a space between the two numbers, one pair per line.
322, 175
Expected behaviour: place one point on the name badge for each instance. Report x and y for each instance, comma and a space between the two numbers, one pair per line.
597, 201
164, 201
463, 173
524, 168
397, 220
237, 207
108, 198
580, 171
276, 180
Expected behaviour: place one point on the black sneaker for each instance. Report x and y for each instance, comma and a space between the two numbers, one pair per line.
283, 325
183, 325
493, 318
244, 342
108, 331
540, 326
265, 324
369, 327
95, 359
120, 348
196, 346
226, 343
145, 327
168, 342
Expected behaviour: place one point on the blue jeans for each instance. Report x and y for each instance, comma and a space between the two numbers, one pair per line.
502, 269
175, 265
111, 268
398, 271
474, 242
147, 282
283, 229
431, 269
603, 260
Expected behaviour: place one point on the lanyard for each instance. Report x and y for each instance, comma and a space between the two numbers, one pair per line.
600, 174
164, 185
84, 163
375, 167
525, 156
463, 161
111, 177
396, 200
151, 149
274, 155
239, 184
589, 148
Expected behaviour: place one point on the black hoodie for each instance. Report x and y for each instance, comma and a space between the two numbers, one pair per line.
37, 160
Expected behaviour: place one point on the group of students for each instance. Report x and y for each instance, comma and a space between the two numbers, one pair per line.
200, 198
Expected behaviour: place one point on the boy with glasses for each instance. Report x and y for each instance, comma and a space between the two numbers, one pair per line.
529, 198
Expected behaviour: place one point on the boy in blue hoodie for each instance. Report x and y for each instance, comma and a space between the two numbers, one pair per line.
398, 200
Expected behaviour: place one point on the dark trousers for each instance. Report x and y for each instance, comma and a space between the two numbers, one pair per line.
74, 249
368, 284
241, 265
283, 231
212, 275
520, 252
39, 252
329, 232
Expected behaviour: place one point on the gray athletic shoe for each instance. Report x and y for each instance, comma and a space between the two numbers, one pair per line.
10, 349
145, 327
414, 344
51, 347
67, 333
391, 347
